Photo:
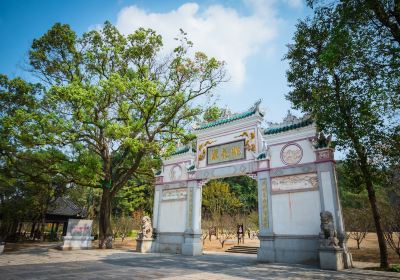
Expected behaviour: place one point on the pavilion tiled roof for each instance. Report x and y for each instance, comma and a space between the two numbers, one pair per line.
63, 206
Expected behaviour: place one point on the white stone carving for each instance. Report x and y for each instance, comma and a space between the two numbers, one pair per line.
295, 182
146, 230
176, 173
291, 154
174, 194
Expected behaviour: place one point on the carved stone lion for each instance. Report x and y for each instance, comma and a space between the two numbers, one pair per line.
327, 236
146, 229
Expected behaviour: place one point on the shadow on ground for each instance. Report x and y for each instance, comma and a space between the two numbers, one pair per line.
131, 265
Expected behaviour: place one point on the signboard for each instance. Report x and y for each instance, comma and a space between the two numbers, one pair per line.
298, 182
174, 194
226, 152
77, 227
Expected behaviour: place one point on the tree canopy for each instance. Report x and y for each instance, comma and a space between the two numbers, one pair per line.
108, 106
345, 73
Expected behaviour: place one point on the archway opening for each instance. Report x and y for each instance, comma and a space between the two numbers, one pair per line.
230, 215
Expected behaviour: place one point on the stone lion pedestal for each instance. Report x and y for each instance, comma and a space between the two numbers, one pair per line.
145, 241
331, 258
333, 255
145, 245
2, 245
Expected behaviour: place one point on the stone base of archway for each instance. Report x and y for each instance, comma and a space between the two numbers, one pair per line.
192, 245
188, 244
300, 249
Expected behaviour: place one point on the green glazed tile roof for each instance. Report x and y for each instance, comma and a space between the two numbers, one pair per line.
228, 119
191, 168
261, 156
181, 150
288, 127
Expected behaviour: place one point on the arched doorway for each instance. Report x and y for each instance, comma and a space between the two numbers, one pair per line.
230, 215
295, 178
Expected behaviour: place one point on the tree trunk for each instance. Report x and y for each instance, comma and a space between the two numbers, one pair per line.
363, 163
32, 233
56, 231
375, 213
42, 227
105, 230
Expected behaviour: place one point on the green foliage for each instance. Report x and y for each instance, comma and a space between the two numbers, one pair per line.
135, 196
344, 71
218, 199
245, 189
109, 105
384, 14
337, 73
212, 113
395, 268
114, 102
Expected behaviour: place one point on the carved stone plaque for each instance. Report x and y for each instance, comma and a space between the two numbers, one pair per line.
174, 194
294, 182
291, 154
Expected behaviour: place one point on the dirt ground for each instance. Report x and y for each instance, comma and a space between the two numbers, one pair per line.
369, 251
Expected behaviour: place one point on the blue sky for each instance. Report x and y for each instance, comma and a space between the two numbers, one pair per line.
250, 35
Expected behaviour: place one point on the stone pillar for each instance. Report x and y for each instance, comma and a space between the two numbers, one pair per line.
329, 195
154, 246
193, 245
266, 252
156, 205
328, 186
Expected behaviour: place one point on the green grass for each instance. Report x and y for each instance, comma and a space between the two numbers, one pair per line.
392, 268
133, 233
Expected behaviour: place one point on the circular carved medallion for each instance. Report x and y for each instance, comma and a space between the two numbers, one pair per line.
176, 173
291, 154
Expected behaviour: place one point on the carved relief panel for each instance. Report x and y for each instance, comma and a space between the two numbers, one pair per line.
174, 194
298, 182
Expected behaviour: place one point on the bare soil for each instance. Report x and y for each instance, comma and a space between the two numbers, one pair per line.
369, 250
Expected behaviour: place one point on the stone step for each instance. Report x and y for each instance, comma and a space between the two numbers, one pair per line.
243, 249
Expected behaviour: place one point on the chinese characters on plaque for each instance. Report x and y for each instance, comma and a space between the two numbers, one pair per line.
226, 152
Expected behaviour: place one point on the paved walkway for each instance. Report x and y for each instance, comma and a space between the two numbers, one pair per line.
45, 263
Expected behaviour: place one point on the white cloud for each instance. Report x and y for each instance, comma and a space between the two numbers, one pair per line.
217, 30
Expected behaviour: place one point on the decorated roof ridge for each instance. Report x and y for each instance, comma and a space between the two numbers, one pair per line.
192, 167
181, 150
262, 155
158, 172
289, 122
234, 117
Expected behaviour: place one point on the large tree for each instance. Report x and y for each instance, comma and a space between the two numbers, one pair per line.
115, 103
32, 174
340, 74
384, 14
